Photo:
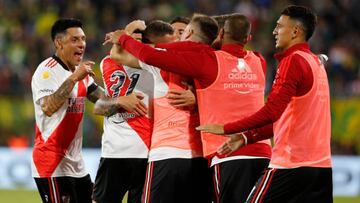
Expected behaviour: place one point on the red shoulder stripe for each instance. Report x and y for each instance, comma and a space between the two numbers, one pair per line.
53, 64
49, 62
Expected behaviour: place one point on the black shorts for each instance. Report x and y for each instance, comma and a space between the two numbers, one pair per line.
116, 176
178, 181
298, 185
61, 189
233, 180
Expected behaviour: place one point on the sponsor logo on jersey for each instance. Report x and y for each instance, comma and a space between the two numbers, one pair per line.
242, 79
176, 124
121, 117
242, 72
76, 105
46, 91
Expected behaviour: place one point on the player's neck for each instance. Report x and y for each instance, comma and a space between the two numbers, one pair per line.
61, 56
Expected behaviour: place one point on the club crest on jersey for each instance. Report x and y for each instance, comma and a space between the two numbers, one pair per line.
76, 105
45, 75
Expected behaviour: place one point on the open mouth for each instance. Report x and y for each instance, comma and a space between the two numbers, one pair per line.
276, 40
79, 55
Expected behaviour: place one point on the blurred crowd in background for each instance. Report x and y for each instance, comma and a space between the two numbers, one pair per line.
25, 39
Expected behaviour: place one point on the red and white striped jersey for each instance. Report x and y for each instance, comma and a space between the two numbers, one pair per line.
58, 141
126, 135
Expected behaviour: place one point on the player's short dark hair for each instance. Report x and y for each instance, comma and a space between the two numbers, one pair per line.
208, 27
61, 25
238, 27
304, 15
180, 19
156, 28
220, 19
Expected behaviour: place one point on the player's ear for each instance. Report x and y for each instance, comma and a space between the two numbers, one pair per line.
58, 43
296, 31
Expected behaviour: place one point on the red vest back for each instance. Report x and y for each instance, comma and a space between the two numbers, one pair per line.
237, 92
175, 127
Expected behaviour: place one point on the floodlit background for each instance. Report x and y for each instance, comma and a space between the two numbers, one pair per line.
25, 42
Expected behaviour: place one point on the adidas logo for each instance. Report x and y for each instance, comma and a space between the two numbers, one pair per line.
242, 67
242, 71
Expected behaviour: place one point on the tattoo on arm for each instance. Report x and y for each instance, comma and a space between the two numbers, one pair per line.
106, 106
50, 104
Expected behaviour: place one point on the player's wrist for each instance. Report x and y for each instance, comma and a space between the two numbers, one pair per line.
73, 78
120, 102
249, 136
244, 138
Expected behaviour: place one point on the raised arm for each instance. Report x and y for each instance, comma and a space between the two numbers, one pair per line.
179, 62
123, 57
52, 103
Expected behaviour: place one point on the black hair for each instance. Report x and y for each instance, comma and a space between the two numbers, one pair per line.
208, 27
180, 19
238, 27
61, 25
156, 28
304, 15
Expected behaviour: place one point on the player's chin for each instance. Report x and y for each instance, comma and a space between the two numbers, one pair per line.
77, 60
277, 45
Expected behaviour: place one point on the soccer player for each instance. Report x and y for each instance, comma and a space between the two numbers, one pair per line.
299, 106
126, 136
176, 170
59, 86
179, 24
181, 98
229, 83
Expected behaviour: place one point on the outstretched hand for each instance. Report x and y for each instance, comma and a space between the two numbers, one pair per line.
212, 128
234, 142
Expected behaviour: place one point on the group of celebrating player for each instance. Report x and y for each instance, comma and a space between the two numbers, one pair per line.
169, 88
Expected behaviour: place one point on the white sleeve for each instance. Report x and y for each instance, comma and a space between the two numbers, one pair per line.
44, 83
150, 68
147, 67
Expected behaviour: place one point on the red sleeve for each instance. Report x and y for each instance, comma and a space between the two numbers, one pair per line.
181, 63
178, 46
291, 79
263, 61
259, 134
